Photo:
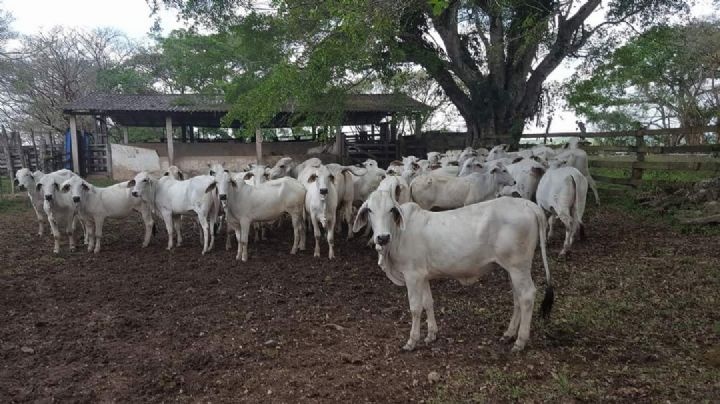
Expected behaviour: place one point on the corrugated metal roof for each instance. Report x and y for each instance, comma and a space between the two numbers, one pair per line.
174, 103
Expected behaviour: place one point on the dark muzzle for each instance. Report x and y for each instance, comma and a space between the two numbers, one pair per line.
76, 199
223, 197
135, 193
48, 197
382, 239
323, 191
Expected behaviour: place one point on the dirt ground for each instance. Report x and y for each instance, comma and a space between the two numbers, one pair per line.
636, 319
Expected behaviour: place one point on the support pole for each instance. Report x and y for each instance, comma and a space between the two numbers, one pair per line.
74, 145
126, 136
169, 140
340, 139
258, 144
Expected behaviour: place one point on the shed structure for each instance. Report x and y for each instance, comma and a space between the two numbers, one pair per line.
199, 110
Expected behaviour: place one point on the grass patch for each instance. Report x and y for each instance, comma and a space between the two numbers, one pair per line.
654, 175
11, 205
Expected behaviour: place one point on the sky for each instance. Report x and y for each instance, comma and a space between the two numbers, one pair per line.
134, 18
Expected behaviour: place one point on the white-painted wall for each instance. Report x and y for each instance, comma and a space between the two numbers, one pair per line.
129, 160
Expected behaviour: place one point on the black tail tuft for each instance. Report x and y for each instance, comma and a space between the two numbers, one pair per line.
547, 302
154, 229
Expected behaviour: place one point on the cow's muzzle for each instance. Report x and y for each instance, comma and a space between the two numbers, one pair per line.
48, 197
382, 239
323, 191
16, 182
223, 197
135, 193
21, 187
76, 199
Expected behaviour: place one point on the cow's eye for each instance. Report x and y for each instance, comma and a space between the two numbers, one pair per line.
282, 166
145, 180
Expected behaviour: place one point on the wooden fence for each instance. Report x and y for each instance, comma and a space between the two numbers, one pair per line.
704, 158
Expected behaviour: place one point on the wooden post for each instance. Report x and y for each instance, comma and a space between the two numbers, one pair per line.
8, 158
169, 140
418, 126
42, 154
258, 145
35, 149
126, 135
340, 139
74, 145
637, 172
183, 136
108, 158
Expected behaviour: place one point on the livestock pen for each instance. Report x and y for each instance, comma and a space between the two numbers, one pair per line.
635, 319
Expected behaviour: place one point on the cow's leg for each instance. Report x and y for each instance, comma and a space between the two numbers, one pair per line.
567, 220
169, 220
593, 186
55, 232
211, 227
228, 237
90, 234
202, 219
41, 221
238, 237
98, 233
331, 239
427, 302
303, 231
551, 225
177, 224
70, 230
415, 298
297, 226
512, 329
523, 284
348, 219
149, 223
581, 233
243, 242
317, 234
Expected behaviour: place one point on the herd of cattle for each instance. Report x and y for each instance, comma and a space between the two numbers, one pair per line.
456, 214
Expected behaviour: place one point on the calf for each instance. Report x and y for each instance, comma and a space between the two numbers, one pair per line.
171, 198
416, 246
443, 192
562, 193
58, 206
245, 204
26, 180
321, 201
573, 155
95, 204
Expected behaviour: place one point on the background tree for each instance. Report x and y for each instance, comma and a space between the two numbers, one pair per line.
665, 77
491, 58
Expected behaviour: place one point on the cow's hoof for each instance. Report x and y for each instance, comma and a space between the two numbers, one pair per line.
409, 346
517, 348
430, 338
506, 339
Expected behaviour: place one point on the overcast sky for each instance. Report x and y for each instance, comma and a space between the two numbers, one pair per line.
134, 18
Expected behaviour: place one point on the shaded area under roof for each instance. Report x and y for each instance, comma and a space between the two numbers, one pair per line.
208, 110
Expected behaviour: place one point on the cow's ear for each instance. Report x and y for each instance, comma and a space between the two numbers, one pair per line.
131, 183
211, 187
361, 218
38, 187
212, 172
65, 188
537, 171
181, 176
312, 178
233, 183
398, 217
332, 178
516, 160
247, 176
398, 191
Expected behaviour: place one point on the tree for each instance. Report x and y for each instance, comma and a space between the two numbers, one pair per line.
491, 58
52, 68
665, 77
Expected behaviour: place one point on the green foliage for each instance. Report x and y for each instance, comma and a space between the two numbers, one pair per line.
663, 77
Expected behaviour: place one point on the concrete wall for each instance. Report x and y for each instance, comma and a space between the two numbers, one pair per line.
193, 158
128, 161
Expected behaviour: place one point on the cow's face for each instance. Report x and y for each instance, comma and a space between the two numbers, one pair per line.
433, 157
141, 184
224, 181
24, 179
370, 163
281, 168
175, 173
75, 186
384, 215
323, 180
48, 187
258, 173
471, 165
502, 176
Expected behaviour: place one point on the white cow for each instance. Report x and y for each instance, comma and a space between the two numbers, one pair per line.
171, 198
245, 204
27, 180
345, 192
416, 246
58, 206
321, 202
442, 192
527, 173
283, 168
471, 165
370, 163
562, 193
433, 157
95, 204
576, 157
364, 185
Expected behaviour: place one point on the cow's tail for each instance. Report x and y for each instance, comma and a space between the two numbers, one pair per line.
549, 298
